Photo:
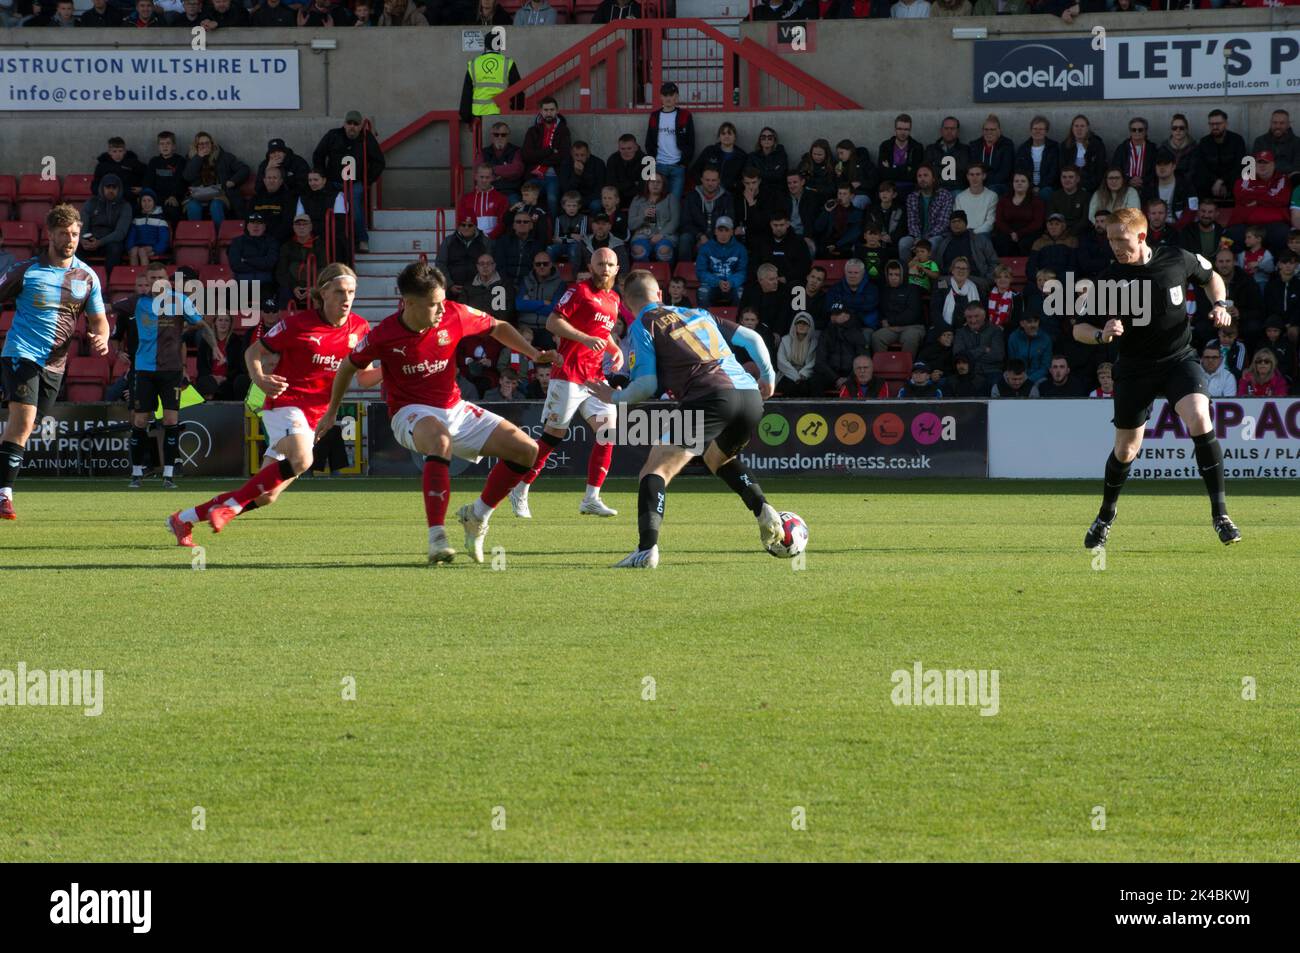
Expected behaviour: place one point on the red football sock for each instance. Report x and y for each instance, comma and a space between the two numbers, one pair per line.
598, 463
544, 448
437, 490
503, 478
263, 481
201, 511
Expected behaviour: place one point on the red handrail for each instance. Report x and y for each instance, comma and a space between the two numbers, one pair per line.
329, 233
452, 118
366, 127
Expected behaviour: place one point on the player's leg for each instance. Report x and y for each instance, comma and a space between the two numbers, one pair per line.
603, 419
563, 398
1188, 390
23, 384
478, 432
171, 388
144, 399
431, 438
741, 412
663, 463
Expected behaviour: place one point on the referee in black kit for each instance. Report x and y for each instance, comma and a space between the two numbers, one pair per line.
1155, 358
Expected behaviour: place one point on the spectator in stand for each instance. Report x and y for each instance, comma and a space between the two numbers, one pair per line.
1041, 158
670, 138
324, 13
1001, 298
1245, 307
889, 215
106, 222
624, 167
724, 156
839, 225
538, 386
1275, 340
515, 252
1106, 382
1055, 248
225, 13
535, 13
476, 358
489, 292
1231, 349
1086, 151
653, 221
1205, 237
401, 13
818, 170
1217, 160
928, 212
937, 355
458, 257
293, 167
750, 209
571, 229
507, 387
721, 266
99, 14
1070, 201
1020, 218
546, 144
706, 203
123, 163
1027, 344
1114, 194
1014, 382
899, 157
949, 146
1255, 260
145, 16
150, 237
961, 242
484, 204
772, 302
910, 10
958, 290
538, 293
214, 177
276, 204
1281, 141
856, 293
320, 198
966, 381
1172, 189
982, 341
506, 160
222, 375
996, 153
979, 203
253, 256
165, 177
274, 13
351, 141
602, 236
1262, 201
796, 358
922, 271
854, 166
618, 220
862, 384
872, 251
839, 348
1136, 157
920, 386
678, 296
511, 362
1182, 147
1262, 379
950, 8
1282, 293
769, 158
192, 14
1059, 382
611, 10
1095, 253
300, 259
901, 318
1222, 382
787, 251
583, 173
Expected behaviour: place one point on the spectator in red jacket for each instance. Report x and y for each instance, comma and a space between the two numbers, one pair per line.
863, 385
546, 145
484, 204
1019, 218
1262, 378
1262, 200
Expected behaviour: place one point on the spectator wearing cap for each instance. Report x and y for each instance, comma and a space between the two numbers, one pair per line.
796, 358
1170, 187
1056, 248
1040, 157
1262, 200
484, 204
965, 381
276, 203
106, 222
546, 145
300, 260
1014, 382
1059, 382
1281, 141
324, 13
253, 256
535, 13
274, 13
1136, 156
351, 141
293, 167
458, 257
506, 160
150, 236
856, 292
920, 386
961, 242
670, 138
981, 340
489, 292
721, 266
700, 212
996, 153
842, 343
1218, 159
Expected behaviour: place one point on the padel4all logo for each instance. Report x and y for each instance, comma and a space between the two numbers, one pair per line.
1038, 70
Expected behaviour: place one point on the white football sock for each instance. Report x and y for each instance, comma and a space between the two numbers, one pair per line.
481, 510
189, 516
167, 473
234, 505
6, 493
137, 471
593, 492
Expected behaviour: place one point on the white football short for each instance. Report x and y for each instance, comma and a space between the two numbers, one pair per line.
566, 398
469, 426
280, 422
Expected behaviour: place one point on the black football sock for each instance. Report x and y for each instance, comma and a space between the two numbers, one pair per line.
734, 475
1209, 458
650, 510
171, 444
11, 460
248, 507
137, 444
1116, 474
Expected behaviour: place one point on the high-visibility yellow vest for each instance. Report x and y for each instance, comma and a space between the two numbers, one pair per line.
489, 74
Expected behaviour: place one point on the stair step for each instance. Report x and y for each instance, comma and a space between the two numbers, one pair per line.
411, 217
393, 241
385, 266
377, 286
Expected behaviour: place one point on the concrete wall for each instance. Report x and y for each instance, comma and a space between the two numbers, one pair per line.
396, 75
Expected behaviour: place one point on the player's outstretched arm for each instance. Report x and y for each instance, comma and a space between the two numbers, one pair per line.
370, 376
1218, 291
271, 384
1091, 334
342, 381
561, 328
511, 338
756, 348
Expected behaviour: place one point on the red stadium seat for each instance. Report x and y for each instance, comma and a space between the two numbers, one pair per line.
565, 271
121, 364
194, 234
6, 321
8, 196
230, 230
723, 313
660, 269
88, 370
215, 273
85, 393
36, 196
192, 368
1017, 266
193, 256
893, 365
685, 270
76, 188
834, 268
20, 238
102, 274
893, 387
1224, 217
123, 278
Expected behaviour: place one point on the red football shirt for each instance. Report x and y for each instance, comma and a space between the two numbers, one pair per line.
420, 367
591, 312
311, 351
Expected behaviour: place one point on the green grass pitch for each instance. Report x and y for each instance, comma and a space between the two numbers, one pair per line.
518, 695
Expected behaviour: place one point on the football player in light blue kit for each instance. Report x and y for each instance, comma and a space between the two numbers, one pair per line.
52, 291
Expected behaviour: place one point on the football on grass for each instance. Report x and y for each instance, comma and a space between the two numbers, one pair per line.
794, 537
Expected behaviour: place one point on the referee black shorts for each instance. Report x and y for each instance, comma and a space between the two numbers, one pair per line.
26, 382
1137, 387
728, 416
149, 387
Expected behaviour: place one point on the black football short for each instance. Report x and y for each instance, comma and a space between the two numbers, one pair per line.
149, 387
728, 416
1137, 389
26, 382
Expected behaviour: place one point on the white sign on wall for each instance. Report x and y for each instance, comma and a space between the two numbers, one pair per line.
1180, 64
148, 80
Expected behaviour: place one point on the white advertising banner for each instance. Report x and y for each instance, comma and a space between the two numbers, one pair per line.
148, 80
1180, 64
1069, 439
